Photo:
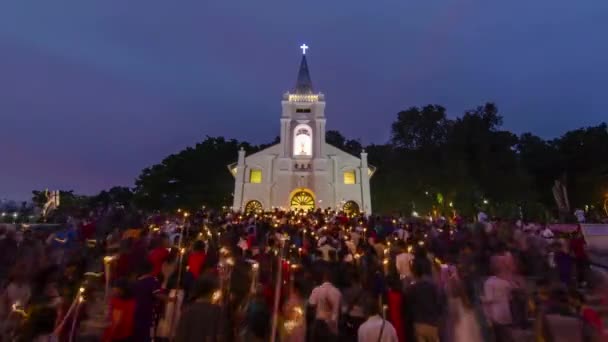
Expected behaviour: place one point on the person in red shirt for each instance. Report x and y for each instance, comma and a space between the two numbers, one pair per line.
124, 262
395, 307
122, 312
158, 255
587, 313
577, 248
196, 259
87, 230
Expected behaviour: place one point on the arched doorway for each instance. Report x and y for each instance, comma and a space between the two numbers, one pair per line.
351, 208
302, 199
253, 206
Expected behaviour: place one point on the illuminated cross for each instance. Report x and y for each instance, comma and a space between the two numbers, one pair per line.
304, 47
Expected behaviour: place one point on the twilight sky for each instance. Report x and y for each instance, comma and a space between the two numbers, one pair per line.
93, 91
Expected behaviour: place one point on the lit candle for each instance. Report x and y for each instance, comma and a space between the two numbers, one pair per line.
385, 265
107, 261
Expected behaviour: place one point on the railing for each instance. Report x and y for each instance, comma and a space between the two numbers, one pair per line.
303, 98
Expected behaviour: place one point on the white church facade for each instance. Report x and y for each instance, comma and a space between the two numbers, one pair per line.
302, 171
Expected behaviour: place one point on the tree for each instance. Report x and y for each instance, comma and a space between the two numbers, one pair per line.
118, 195
191, 178
584, 160
336, 139
417, 128
69, 203
431, 164
489, 167
542, 161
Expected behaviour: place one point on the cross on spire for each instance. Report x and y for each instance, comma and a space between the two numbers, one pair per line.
304, 47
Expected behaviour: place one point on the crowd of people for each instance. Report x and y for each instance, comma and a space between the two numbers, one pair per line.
298, 276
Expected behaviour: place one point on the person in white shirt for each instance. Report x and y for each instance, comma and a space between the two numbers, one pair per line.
325, 299
403, 262
376, 328
496, 300
325, 247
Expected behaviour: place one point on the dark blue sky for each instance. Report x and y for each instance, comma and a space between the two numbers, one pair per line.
93, 91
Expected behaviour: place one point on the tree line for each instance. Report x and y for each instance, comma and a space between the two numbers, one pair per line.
432, 164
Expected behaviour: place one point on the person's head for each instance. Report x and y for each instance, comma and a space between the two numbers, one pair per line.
394, 283
402, 245
298, 286
371, 305
164, 241
419, 251
126, 245
467, 248
421, 267
198, 246
121, 288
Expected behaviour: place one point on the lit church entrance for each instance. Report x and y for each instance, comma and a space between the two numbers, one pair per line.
302, 199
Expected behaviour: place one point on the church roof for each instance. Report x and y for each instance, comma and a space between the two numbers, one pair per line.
303, 84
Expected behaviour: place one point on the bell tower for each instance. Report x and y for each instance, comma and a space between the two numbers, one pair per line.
303, 118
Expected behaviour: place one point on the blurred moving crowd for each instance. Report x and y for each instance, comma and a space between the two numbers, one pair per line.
297, 276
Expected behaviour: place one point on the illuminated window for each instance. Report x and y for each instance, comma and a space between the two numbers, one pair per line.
351, 208
349, 177
253, 207
302, 141
255, 176
302, 200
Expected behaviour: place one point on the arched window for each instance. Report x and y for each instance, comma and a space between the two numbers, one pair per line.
351, 208
253, 207
302, 140
302, 200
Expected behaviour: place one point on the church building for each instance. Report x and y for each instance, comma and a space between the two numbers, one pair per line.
302, 171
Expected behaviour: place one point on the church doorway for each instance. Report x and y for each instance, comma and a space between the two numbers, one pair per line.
351, 208
253, 207
302, 199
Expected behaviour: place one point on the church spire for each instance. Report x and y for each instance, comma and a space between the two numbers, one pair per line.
303, 84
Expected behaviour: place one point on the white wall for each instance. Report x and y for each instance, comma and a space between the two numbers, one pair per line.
325, 178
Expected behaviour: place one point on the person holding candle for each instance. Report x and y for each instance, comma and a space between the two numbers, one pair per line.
325, 300
376, 328
146, 290
203, 319
122, 313
424, 302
